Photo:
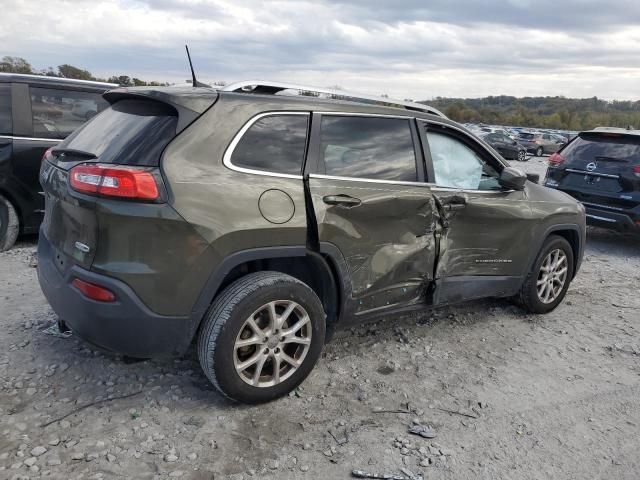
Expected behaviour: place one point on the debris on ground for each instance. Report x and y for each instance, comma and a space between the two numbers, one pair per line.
425, 431
379, 476
55, 331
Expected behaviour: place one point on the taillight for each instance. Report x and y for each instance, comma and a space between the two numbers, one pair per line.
93, 291
556, 159
114, 181
636, 171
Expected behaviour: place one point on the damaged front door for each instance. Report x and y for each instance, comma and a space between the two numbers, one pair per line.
485, 242
369, 201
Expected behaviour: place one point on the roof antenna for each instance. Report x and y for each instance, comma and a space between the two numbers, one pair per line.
196, 83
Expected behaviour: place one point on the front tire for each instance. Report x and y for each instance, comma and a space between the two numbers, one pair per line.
261, 337
546, 284
9, 224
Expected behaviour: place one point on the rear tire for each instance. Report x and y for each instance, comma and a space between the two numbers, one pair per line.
522, 156
9, 224
248, 322
539, 151
546, 285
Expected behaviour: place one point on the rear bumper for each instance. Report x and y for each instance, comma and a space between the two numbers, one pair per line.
612, 220
125, 326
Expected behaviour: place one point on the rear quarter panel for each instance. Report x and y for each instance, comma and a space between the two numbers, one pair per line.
221, 204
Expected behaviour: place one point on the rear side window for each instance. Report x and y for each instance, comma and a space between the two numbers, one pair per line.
56, 113
592, 148
275, 143
527, 136
129, 132
368, 147
5, 110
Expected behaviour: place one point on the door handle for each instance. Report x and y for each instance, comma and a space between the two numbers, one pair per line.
344, 200
456, 202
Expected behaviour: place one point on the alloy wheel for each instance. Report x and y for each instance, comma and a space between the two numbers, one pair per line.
272, 343
552, 276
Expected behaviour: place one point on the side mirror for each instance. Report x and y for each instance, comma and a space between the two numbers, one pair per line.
512, 178
513, 142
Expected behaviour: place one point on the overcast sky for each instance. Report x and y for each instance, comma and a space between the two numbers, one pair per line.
407, 49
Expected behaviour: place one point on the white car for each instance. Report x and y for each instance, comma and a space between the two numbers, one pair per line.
84, 109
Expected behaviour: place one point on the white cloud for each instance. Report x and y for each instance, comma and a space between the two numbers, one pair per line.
405, 50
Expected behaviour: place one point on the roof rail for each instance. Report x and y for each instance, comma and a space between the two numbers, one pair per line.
267, 87
45, 78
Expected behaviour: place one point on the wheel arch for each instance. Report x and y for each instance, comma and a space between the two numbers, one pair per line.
571, 233
321, 271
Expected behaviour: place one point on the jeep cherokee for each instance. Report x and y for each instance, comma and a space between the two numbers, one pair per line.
256, 220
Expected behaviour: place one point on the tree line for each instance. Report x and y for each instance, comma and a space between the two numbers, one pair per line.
542, 112
535, 112
20, 65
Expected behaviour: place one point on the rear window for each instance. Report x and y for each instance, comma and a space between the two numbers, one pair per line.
611, 147
129, 132
5, 109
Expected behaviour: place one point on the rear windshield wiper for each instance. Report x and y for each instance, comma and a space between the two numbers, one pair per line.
611, 159
72, 152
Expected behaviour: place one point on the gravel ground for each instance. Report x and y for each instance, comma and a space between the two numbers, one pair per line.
508, 395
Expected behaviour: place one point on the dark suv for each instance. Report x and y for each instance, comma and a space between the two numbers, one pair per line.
36, 112
601, 169
257, 221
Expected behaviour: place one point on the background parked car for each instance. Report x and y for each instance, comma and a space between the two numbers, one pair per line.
508, 148
36, 113
601, 168
539, 143
84, 108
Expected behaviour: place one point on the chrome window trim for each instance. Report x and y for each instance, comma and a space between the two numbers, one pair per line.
431, 186
595, 174
407, 117
38, 139
369, 180
226, 158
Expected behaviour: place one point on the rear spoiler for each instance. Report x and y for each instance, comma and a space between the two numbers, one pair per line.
189, 102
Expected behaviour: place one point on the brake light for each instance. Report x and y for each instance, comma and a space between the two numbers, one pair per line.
556, 159
636, 171
93, 291
114, 181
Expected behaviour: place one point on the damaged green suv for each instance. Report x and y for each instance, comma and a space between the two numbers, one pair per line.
254, 220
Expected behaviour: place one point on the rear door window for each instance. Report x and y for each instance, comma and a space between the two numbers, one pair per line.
129, 132
367, 147
57, 113
5, 110
274, 143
